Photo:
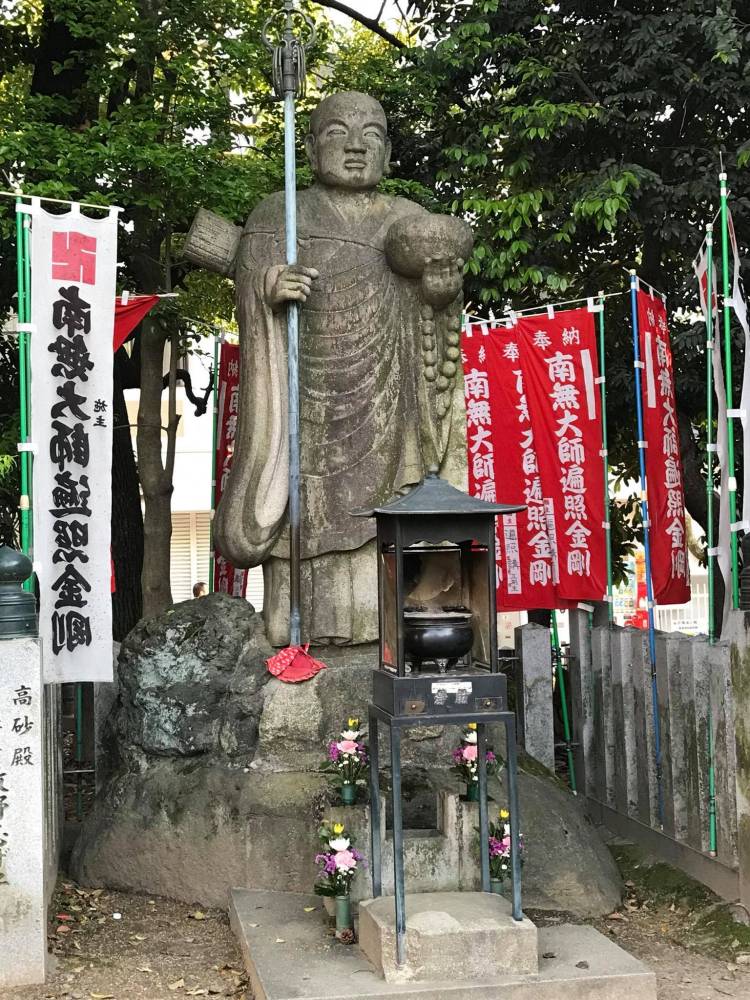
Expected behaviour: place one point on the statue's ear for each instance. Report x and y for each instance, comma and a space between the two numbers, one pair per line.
310, 150
387, 157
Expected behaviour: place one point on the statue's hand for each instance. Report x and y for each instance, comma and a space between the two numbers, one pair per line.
442, 280
288, 283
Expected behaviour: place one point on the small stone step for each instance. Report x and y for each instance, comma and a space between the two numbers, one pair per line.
291, 955
449, 935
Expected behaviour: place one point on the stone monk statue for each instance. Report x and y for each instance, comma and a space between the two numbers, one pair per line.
379, 281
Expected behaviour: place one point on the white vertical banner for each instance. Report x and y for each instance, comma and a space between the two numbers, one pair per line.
723, 543
73, 268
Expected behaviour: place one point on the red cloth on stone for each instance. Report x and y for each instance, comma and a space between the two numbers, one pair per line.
294, 664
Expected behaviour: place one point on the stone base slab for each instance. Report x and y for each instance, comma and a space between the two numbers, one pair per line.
457, 936
290, 955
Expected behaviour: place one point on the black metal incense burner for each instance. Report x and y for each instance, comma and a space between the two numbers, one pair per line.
438, 652
442, 636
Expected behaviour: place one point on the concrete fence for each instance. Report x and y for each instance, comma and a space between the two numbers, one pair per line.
703, 691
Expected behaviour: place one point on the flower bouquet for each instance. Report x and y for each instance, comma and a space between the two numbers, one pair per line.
347, 762
337, 863
499, 842
465, 762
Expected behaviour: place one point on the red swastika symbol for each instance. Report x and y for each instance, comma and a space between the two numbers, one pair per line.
74, 257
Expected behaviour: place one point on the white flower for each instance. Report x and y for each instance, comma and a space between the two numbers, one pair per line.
340, 844
351, 734
469, 736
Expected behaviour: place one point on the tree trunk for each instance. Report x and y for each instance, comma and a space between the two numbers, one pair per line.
127, 519
156, 478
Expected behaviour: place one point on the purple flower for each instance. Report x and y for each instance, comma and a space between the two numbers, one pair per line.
328, 863
458, 754
496, 847
333, 751
491, 758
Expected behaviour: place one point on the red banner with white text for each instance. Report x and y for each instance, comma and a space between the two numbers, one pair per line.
227, 579
503, 466
664, 488
560, 365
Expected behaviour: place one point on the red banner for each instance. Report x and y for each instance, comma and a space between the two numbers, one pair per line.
227, 579
129, 314
560, 365
666, 498
501, 450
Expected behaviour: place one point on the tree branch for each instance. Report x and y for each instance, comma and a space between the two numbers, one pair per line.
369, 22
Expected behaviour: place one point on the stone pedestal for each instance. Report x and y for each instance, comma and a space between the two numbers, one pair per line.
23, 911
290, 955
455, 936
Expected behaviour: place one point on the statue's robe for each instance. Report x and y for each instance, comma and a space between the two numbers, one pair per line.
367, 426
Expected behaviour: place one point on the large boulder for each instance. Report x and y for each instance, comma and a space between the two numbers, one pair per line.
214, 776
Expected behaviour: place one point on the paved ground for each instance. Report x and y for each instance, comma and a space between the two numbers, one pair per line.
157, 949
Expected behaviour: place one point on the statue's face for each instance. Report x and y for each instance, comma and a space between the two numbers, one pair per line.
348, 145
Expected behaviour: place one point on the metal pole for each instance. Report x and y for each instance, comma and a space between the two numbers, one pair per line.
398, 845
646, 544
292, 323
289, 81
605, 459
557, 656
728, 380
515, 819
375, 854
484, 840
214, 438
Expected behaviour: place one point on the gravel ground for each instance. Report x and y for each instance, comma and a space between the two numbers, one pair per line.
121, 946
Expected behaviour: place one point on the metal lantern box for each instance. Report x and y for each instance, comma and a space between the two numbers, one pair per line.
438, 655
438, 619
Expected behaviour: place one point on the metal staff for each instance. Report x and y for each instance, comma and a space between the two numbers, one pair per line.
288, 82
638, 364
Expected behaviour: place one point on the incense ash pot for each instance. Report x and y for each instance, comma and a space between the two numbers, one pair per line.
442, 635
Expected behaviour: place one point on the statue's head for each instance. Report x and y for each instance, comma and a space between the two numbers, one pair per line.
348, 145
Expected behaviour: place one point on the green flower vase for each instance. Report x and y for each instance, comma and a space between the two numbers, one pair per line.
472, 792
343, 914
348, 794
496, 886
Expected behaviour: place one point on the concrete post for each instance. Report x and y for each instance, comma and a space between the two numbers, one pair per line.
648, 794
581, 680
728, 727
534, 693
603, 735
23, 909
670, 717
737, 633
695, 680
623, 711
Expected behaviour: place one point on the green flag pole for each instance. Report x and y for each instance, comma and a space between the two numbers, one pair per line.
557, 656
23, 272
711, 552
605, 460
215, 430
728, 380
710, 444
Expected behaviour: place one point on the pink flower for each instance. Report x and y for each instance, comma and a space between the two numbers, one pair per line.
470, 752
347, 746
345, 861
